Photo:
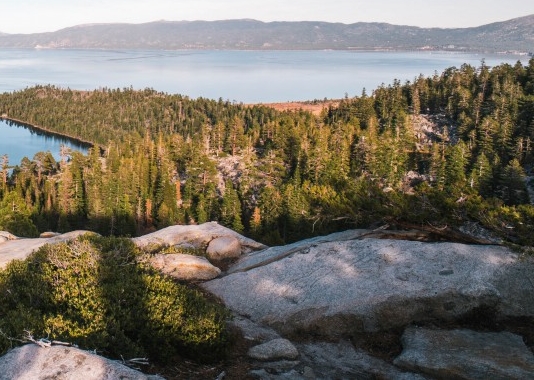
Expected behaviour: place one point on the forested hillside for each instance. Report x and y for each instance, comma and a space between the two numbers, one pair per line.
439, 151
511, 35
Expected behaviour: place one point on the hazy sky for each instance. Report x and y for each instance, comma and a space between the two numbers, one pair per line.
29, 16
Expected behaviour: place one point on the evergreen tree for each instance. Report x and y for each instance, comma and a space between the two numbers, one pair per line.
512, 189
455, 164
231, 208
15, 216
481, 177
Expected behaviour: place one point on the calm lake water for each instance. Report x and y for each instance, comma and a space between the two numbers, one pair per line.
243, 76
240, 76
19, 142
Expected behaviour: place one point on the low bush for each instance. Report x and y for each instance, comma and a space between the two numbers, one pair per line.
92, 292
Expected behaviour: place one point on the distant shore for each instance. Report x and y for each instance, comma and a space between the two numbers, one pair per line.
513, 35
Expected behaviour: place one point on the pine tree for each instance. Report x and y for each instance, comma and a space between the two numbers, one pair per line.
512, 187
455, 164
481, 177
231, 208
255, 223
15, 216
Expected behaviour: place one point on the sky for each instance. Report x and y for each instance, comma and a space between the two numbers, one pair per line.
32, 16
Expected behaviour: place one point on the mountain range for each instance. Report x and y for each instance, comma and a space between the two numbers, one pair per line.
516, 35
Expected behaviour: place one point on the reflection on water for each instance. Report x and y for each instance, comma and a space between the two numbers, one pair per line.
19, 142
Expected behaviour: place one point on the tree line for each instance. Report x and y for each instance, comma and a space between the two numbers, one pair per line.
444, 150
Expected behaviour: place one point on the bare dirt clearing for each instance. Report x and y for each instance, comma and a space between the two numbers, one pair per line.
313, 106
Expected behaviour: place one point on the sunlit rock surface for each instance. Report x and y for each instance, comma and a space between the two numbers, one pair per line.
185, 267
330, 289
199, 236
32, 362
334, 288
20, 248
222, 248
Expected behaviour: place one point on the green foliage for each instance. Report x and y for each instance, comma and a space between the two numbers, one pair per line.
163, 159
92, 292
15, 216
231, 208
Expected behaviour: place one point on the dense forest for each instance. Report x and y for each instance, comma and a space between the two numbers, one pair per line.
440, 151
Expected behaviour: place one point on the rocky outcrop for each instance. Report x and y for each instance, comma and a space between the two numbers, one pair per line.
465, 354
342, 361
327, 360
49, 234
32, 362
223, 248
276, 349
217, 242
310, 310
198, 236
5, 236
334, 288
184, 267
350, 285
266, 256
20, 248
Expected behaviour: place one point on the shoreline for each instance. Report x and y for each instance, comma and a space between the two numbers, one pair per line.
47, 131
363, 49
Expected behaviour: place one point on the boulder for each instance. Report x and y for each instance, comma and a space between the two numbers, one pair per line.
198, 236
322, 360
5, 236
224, 247
465, 354
20, 248
276, 349
331, 287
252, 331
32, 362
225, 242
342, 361
185, 267
49, 234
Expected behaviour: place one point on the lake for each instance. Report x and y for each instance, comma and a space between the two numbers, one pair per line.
19, 142
238, 76
241, 76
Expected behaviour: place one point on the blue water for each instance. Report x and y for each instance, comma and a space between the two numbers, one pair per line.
240, 76
19, 142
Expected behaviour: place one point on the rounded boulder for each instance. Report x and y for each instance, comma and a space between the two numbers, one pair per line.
224, 247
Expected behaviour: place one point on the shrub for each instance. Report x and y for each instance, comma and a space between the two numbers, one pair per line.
92, 292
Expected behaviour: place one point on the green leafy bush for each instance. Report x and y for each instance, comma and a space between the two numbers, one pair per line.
93, 292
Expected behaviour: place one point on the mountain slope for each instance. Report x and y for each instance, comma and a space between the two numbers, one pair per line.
512, 35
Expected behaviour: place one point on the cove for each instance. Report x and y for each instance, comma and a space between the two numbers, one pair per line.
19, 141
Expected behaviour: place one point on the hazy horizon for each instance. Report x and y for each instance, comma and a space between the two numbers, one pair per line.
32, 16
229, 19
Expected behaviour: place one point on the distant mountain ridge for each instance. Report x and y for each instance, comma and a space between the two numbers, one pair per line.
516, 35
